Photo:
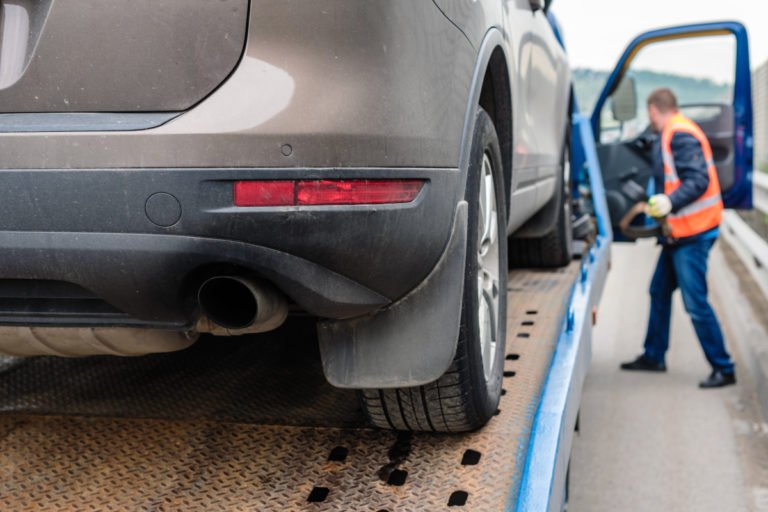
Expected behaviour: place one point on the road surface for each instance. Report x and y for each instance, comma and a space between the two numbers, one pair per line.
656, 442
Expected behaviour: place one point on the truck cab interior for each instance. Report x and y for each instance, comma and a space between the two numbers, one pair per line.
714, 90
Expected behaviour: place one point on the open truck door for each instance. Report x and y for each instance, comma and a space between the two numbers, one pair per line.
707, 66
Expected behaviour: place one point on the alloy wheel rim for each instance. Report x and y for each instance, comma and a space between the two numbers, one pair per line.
488, 268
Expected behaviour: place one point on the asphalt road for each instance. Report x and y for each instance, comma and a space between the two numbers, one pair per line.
656, 442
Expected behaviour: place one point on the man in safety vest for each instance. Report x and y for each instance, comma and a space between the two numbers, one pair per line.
693, 209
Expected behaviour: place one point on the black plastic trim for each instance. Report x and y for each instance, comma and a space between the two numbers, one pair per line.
146, 276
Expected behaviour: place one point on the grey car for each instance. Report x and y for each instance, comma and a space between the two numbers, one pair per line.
177, 167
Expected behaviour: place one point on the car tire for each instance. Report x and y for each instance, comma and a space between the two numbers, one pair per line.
467, 395
554, 249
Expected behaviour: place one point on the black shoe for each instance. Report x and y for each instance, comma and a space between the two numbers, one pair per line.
718, 379
644, 364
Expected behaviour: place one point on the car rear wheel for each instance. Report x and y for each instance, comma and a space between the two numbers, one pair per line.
554, 249
467, 395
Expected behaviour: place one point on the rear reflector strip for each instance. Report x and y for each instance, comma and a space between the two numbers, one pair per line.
265, 193
357, 191
325, 192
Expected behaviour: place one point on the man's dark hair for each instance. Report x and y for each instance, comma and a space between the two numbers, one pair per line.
663, 99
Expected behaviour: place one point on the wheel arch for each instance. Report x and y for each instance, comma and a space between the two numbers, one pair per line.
496, 100
410, 343
492, 89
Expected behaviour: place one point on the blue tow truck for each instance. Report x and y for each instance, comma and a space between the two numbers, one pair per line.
135, 455
618, 174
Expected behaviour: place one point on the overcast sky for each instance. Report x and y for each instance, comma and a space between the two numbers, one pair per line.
597, 31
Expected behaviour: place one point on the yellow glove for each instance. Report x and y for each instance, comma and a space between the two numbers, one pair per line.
658, 206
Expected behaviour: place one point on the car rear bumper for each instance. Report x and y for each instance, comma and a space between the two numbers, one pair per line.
131, 246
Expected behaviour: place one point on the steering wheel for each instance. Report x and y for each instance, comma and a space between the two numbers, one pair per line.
661, 228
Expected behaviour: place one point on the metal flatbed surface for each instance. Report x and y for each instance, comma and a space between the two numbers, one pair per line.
250, 424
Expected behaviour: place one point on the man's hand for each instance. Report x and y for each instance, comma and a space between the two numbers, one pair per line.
658, 206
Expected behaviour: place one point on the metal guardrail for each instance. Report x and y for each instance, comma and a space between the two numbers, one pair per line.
760, 181
751, 248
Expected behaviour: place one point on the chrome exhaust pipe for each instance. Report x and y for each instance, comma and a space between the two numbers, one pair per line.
234, 305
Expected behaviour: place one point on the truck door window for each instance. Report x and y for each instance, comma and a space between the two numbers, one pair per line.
699, 70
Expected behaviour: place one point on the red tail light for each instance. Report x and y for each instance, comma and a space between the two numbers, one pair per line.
325, 192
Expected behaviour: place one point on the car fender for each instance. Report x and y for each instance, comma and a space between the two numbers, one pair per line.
413, 341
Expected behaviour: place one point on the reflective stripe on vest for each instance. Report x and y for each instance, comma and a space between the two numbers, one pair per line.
705, 212
669, 163
697, 206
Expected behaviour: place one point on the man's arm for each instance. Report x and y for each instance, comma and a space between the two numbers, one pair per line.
691, 169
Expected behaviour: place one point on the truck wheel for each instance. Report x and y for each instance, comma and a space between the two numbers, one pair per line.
555, 248
467, 395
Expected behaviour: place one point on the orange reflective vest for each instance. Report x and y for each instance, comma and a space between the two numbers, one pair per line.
706, 212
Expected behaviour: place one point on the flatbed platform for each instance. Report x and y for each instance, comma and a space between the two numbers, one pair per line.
250, 424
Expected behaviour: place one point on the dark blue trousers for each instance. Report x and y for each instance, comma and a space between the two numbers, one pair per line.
684, 266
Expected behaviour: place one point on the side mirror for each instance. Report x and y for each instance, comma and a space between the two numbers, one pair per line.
624, 100
537, 5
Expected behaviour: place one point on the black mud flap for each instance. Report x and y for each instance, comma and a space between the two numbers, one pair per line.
410, 343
